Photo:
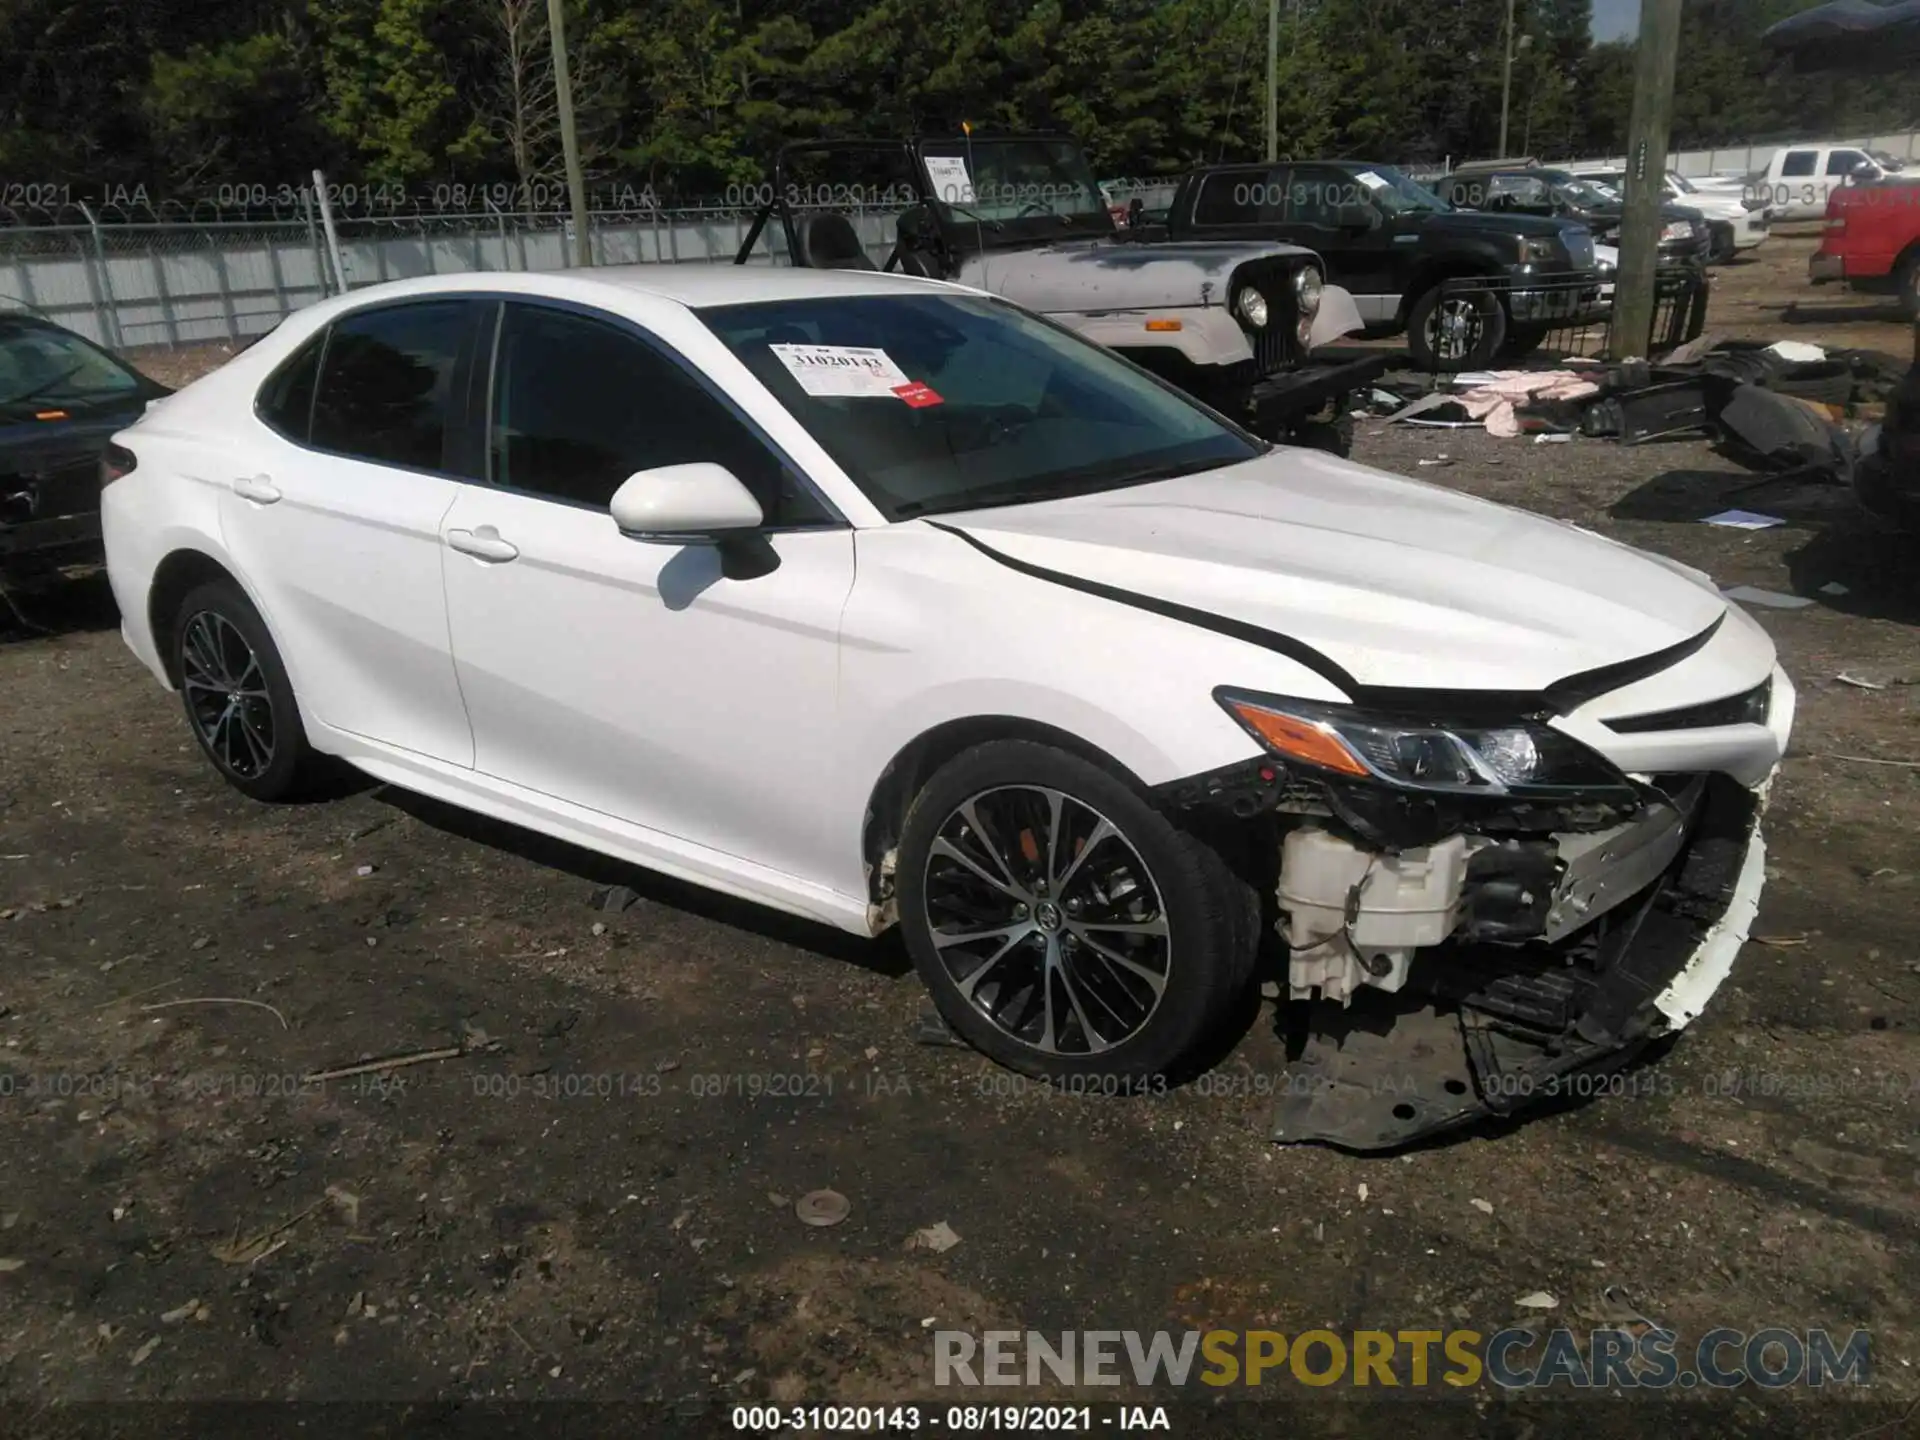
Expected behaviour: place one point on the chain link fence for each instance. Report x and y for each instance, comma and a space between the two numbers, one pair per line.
174, 275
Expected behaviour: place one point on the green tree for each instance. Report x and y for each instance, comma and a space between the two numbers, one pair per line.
391, 89
238, 112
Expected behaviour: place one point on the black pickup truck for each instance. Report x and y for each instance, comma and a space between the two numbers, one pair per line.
1392, 244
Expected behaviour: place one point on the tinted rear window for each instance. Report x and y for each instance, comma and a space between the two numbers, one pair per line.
386, 383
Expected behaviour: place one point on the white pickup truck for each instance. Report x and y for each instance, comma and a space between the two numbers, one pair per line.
1799, 178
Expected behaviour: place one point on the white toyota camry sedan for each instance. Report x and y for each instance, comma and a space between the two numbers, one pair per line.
883, 601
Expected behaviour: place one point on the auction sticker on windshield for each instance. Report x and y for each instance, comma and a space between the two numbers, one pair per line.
1371, 180
948, 176
838, 370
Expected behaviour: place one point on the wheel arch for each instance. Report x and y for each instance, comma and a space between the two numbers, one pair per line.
174, 578
1906, 275
902, 777
1442, 267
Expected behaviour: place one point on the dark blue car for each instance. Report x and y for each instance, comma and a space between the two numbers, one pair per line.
61, 397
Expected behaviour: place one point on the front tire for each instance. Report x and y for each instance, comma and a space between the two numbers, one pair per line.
1063, 925
234, 688
1458, 329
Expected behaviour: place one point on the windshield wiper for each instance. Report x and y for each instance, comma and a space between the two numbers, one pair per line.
40, 387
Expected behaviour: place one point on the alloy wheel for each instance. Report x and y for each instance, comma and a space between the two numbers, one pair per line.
1453, 330
226, 694
1047, 920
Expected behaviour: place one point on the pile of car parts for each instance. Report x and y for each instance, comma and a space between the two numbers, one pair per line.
1778, 407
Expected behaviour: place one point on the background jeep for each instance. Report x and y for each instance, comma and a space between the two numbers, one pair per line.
1233, 323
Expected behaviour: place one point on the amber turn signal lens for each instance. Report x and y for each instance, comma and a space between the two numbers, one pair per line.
1161, 325
1300, 739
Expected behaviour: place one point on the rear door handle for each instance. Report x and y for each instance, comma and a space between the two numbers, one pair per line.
483, 544
258, 488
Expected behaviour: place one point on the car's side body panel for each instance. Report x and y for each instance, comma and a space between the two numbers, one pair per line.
633, 698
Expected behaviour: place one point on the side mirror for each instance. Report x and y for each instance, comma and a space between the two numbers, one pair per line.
1136, 207
697, 504
1356, 217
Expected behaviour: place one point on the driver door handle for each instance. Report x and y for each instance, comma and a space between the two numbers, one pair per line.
483, 544
258, 488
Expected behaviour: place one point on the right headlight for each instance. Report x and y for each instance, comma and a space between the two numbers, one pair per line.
1520, 758
1677, 230
1539, 252
1252, 306
1308, 287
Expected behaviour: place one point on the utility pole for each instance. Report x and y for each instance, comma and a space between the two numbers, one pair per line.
1506, 79
569, 138
1273, 79
1647, 136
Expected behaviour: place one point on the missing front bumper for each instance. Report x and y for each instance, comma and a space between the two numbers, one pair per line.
1489, 1030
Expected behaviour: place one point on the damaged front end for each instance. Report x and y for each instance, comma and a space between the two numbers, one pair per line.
1526, 915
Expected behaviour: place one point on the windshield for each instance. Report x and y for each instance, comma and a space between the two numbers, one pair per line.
51, 367
1398, 193
1013, 179
934, 403
1586, 193
1680, 182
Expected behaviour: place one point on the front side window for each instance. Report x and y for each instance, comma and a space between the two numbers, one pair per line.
579, 405
1318, 196
936, 403
1844, 162
1798, 162
1239, 197
45, 368
386, 381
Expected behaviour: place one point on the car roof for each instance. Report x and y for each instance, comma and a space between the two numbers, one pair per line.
699, 285
696, 284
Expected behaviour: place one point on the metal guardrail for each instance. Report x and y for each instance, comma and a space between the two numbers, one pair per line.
1563, 317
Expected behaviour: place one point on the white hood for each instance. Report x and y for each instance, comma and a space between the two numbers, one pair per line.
1400, 583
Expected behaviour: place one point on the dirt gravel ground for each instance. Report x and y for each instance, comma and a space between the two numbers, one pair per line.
591, 1194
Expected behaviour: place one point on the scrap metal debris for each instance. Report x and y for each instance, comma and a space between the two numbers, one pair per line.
1781, 407
821, 1207
938, 1237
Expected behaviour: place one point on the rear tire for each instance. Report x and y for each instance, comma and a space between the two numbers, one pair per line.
1461, 329
234, 688
1064, 926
